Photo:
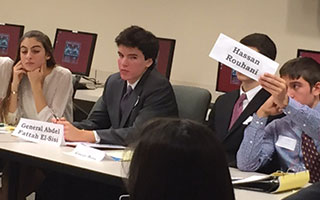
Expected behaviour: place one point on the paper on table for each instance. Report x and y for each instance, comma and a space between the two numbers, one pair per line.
4, 130
7, 129
94, 145
251, 179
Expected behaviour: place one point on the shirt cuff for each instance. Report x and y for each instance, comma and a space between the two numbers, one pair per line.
291, 108
96, 136
258, 122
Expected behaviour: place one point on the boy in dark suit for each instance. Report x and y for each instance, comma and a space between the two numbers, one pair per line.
229, 128
137, 93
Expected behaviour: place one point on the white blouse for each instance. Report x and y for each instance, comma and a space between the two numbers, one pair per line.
5, 75
57, 89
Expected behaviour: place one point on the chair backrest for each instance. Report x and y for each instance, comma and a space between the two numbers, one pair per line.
96, 105
75, 83
165, 56
193, 102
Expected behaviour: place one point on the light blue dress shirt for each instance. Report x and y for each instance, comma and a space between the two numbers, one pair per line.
259, 142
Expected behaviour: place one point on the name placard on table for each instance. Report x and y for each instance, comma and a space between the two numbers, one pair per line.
39, 131
51, 133
87, 153
242, 58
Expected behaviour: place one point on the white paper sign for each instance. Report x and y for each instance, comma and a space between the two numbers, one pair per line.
39, 131
87, 153
286, 142
242, 58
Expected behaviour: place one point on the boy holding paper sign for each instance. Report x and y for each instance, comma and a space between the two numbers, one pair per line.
295, 137
228, 127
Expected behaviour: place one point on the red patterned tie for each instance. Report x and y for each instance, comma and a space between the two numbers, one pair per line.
311, 157
237, 109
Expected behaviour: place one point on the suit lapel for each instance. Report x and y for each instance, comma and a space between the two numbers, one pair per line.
132, 101
117, 99
134, 98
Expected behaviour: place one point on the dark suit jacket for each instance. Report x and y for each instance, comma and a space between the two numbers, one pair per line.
152, 97
220, 117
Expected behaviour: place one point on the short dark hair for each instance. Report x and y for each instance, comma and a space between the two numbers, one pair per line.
145, 41
262, 42
304, 67
44, 40
178, 159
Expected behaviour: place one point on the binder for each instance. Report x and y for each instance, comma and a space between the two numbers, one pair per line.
275, 182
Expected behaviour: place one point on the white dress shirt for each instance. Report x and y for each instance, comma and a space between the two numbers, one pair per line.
250, 95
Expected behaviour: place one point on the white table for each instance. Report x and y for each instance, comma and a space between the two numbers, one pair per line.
107, 171
89, 95
55, 158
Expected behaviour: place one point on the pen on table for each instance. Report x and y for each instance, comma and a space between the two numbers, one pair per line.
115, 158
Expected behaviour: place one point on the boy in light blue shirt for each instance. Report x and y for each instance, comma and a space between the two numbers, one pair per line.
296, 94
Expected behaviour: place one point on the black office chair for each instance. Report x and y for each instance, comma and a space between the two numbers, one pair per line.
97, 104
193, 102
81, 108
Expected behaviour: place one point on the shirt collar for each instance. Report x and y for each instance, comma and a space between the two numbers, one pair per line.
134, 84
251, 93
317, 107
